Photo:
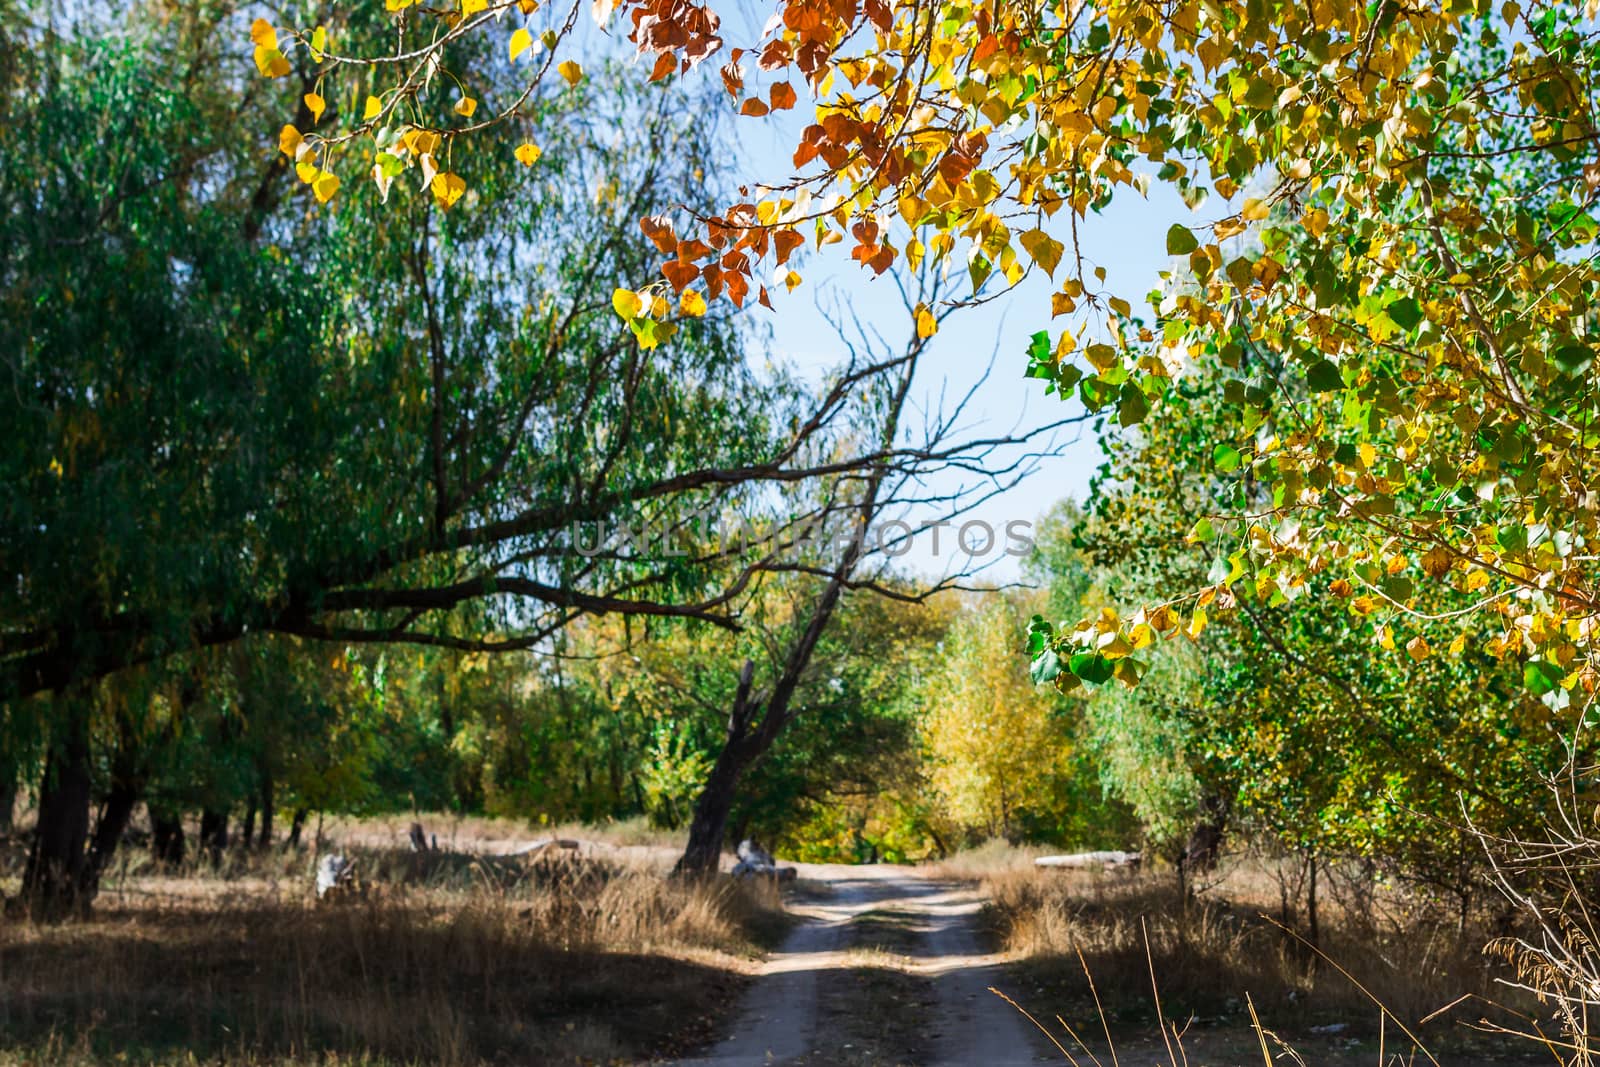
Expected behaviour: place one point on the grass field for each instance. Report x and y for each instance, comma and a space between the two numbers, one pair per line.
452, 957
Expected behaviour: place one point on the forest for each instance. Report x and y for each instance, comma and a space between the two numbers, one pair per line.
467, 594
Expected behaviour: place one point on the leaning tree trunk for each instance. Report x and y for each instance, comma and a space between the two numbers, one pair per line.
703, 854
56, 861
115, 814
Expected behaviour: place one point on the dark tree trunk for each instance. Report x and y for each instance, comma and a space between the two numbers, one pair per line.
703, 854
115, 814
1205, 839
265, 840
214, 833
167, 843
296, 824
247, 832
1313, 934
8, 795
56, 861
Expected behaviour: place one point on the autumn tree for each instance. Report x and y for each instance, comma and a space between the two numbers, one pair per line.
1001, 750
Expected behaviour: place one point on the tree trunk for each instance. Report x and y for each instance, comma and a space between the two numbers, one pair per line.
265, 840
214, 833
115, 814
247, 833
1205, 839
8, 796
167, 844
296, 824
703, 854
1311, 899
54, 873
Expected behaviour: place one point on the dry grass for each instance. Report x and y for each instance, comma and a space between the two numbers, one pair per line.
481, 833
1208, 955
448, 959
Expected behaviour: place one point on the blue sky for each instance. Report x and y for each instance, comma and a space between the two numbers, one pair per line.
1128, 241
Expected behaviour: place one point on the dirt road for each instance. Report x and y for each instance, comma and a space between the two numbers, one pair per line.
885, 968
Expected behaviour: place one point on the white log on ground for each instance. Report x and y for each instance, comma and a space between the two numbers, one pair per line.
1083, 860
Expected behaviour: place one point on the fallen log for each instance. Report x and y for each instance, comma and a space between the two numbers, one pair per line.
536, 847
1112, 860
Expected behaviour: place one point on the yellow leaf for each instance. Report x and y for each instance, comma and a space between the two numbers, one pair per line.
398, 5
289, 141
528, 154
1458, 644
527, 7
466, 106
927, 325
325, 186
472, 7
1418, 649
319, 43
658, 307
373, 109
571, 71
1197, 623
306, 172
1254, 210
447, 188
627, 304
1044, 249
791, 280
691, 303
270, 62
316, 105
421, 142
521, 41
262, 35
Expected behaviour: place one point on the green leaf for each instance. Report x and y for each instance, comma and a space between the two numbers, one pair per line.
1092, 667
1203, 531
1541, 677
1039, 347
1180, 242
1133, 407
1324, 377
1572, 359
1045, 666
1405, 313
1226, 458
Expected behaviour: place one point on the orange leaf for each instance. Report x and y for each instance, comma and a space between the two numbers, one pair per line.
782, 96
679, 273
785, 242
753, 107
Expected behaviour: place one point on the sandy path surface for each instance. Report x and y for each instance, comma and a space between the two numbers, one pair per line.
810, 992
